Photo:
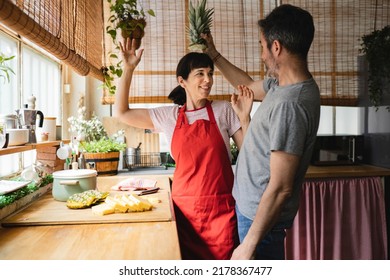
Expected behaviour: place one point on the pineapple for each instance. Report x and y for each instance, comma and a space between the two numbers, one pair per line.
85, 199
200, 20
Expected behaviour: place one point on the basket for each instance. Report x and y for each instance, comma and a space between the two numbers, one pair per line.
106, 164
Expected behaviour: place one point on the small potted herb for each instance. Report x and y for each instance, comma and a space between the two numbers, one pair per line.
104, 145
98, 150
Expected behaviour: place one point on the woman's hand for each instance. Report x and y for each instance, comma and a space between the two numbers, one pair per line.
242, 105
130, 56
242, 102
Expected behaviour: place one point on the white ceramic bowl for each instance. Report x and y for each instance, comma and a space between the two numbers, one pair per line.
17, 136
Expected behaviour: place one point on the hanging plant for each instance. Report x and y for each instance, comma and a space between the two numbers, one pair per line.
129, 18
376, 47
111, 72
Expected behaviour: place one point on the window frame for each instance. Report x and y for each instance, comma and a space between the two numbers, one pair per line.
23, 160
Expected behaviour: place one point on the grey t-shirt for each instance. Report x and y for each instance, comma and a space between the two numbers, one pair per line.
287, 120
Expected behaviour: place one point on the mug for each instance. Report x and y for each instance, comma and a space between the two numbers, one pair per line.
29, 174
64, 152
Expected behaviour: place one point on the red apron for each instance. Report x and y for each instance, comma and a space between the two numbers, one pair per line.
202, 189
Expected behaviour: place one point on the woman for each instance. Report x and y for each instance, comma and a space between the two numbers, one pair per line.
199, 132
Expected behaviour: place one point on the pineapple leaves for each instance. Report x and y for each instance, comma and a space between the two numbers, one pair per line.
200, 21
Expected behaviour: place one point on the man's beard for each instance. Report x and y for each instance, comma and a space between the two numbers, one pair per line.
272, 69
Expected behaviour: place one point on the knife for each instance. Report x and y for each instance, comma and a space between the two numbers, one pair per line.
149, 191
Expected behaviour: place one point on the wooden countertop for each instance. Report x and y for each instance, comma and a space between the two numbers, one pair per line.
96, 241
345, 171
123, 240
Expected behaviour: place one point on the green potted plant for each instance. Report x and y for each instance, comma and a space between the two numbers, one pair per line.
376, 48
102, 155
98, 150
5, 70
129, 18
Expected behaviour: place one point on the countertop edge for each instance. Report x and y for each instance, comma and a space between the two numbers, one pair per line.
346, 171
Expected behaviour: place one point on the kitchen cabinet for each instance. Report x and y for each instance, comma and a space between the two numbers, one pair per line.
342, 214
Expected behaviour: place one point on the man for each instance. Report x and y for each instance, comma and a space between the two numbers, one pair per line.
279, 141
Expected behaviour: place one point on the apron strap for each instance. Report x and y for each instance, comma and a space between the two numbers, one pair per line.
182, 118
210, 112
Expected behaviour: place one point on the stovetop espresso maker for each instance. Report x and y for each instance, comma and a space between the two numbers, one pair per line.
28, 118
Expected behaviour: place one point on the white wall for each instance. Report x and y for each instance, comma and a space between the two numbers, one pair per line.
337, 120
81, 86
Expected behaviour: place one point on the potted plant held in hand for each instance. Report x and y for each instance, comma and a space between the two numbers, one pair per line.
129, 17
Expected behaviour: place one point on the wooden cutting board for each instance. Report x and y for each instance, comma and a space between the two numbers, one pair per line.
47, 211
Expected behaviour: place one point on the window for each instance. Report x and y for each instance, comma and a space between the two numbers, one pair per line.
35, 73
42, 78
39, 76
8, 91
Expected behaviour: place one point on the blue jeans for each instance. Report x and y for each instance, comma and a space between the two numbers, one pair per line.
272, 246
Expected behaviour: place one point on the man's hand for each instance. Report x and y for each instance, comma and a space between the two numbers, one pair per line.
243, 252
210, 50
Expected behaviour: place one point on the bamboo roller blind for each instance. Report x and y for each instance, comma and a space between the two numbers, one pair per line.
333, 58
71, 30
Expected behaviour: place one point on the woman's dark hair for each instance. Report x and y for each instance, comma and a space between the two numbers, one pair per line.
187, 63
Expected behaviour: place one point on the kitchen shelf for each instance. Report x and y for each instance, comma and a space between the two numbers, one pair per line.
29, 147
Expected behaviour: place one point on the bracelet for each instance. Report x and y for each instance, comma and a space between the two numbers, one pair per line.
218, 56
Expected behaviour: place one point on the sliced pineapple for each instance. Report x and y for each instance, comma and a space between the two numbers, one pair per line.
103, 209
122, 204
200, 21
85, 199
115, 202
141, 203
